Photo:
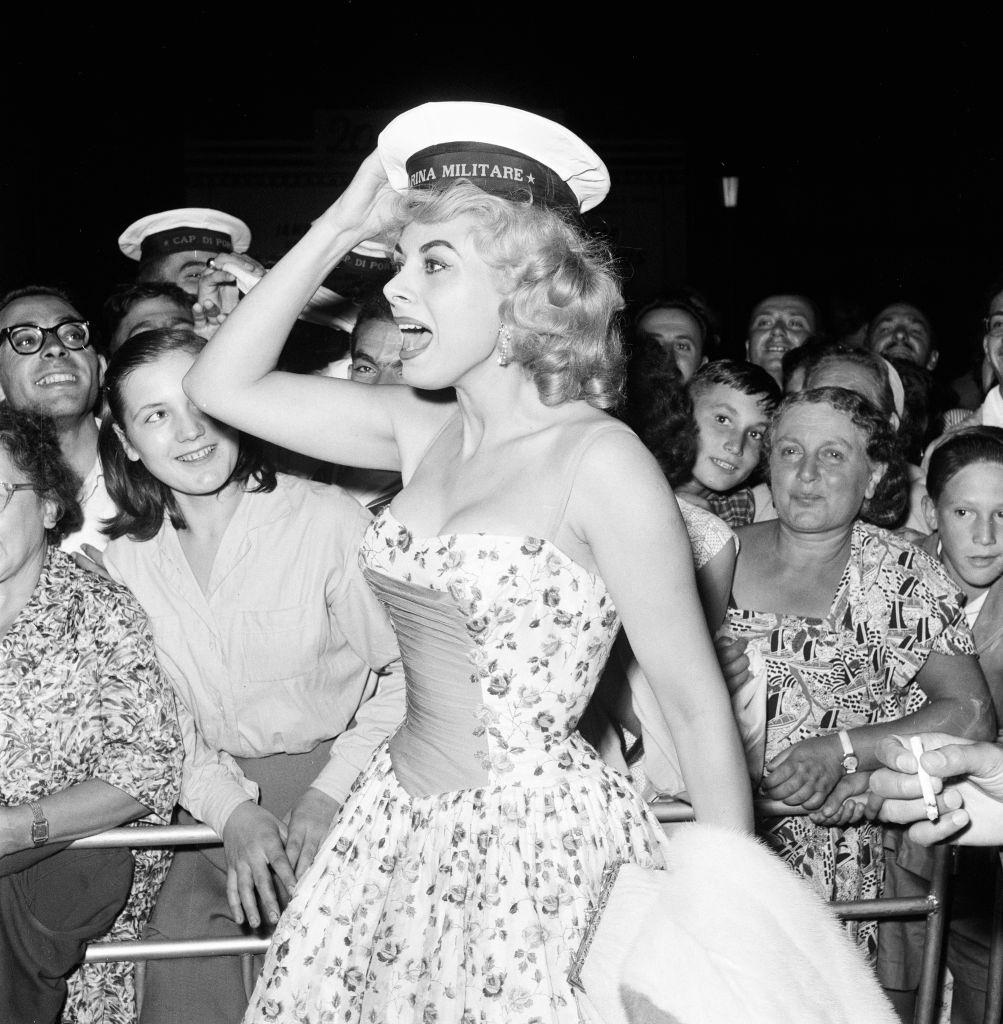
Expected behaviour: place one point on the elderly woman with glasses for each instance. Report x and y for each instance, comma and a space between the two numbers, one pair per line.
89, 741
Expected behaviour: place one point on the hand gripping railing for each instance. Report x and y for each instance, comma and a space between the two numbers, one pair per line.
932, 907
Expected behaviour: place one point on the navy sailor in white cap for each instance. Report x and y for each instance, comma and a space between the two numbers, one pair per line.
175, 245
178, 246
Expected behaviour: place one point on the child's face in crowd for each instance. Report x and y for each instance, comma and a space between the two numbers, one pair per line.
731, 428
969, 517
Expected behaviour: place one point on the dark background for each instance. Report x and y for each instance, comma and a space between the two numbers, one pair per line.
869, 154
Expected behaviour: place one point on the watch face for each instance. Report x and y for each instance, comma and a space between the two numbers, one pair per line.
850, 763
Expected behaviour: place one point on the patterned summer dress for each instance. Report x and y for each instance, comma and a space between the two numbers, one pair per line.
894, 606
456, 888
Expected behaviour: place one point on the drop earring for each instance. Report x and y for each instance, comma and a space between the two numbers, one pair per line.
504, 345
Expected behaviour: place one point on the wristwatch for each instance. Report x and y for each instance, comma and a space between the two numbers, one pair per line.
850, 759
39, 826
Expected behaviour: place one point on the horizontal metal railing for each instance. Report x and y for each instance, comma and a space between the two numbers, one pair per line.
931, 906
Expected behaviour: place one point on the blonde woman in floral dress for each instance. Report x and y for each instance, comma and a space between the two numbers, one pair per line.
457, 882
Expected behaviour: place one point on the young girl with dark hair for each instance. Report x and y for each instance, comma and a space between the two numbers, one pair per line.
272, 640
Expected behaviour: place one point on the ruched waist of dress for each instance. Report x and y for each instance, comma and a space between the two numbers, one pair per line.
454, 738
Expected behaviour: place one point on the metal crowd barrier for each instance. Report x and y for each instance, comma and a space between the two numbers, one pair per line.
932, 906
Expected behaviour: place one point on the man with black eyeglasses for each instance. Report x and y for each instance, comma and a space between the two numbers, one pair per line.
48, 364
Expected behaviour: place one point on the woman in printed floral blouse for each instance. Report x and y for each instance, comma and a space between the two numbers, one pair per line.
89, 740
861, 635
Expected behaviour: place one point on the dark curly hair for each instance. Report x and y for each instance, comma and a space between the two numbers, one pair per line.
660, 411
142, 499
888, 506
31, 443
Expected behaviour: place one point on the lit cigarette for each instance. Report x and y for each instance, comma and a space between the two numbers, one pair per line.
929, 798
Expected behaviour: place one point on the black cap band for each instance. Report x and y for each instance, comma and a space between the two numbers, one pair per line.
183, 239
502, 172
365, 266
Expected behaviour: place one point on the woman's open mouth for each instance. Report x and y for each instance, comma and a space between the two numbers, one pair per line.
415, 338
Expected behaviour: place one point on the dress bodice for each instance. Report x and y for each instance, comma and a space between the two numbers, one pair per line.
503, 639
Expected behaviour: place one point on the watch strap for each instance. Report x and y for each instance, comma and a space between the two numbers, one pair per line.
39, 825
850, 760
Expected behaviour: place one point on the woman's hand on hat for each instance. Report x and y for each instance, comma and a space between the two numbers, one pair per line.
366, 207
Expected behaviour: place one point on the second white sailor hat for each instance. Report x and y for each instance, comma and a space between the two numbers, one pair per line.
501, 149
193, 229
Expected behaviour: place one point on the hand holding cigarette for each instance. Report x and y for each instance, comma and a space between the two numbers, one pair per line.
925, 783
955, 794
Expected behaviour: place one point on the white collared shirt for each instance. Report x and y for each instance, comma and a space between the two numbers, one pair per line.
96, 506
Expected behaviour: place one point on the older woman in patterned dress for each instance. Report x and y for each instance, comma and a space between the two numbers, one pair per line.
89, 740
862, 635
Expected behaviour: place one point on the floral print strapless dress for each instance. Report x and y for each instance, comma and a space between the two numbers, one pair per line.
455, 885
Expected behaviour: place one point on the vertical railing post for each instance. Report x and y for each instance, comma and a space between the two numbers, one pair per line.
994, 982
929, 991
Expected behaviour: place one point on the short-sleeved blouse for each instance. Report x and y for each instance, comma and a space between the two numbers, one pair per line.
894, 607
708, 533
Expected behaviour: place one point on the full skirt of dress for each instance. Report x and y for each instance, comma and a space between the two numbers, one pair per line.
461, 907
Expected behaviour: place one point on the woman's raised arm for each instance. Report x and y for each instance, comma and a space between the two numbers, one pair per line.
235, 380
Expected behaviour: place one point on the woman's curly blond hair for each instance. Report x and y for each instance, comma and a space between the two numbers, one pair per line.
562, 295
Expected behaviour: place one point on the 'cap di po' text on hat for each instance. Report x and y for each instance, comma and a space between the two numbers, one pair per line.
188, 230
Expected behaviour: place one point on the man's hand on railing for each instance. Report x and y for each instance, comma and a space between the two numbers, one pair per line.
254, 841
309, 822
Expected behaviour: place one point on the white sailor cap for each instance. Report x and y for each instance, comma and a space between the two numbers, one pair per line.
501, 149
192, 229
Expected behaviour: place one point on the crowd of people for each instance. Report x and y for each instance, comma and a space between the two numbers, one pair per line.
422, 616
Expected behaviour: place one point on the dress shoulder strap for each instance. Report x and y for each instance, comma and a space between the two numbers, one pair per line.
436, 437
571, 465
